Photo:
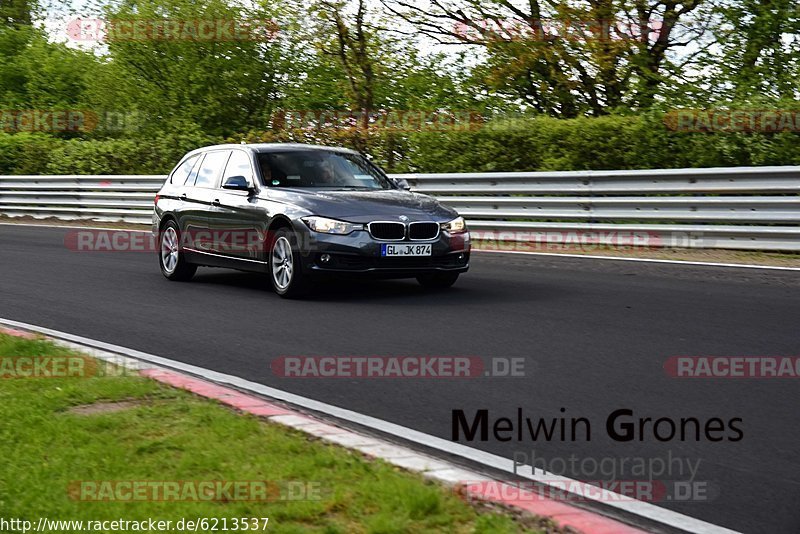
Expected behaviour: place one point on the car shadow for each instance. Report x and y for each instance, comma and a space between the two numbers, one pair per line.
325, 289
465, 291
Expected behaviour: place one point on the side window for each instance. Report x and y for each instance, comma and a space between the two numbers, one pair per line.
193, 176
239, 165
183, 171
211, 168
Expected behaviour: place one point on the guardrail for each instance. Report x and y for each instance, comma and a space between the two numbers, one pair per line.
754, 208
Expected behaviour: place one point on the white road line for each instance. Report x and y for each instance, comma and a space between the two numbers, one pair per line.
618, 258
625, 504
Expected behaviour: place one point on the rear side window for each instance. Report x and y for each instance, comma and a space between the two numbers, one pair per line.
182, 173
193, 176
211, 168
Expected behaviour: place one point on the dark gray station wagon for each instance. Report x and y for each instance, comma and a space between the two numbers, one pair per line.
297, 212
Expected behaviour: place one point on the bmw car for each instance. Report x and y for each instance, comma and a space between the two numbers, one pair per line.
301, 213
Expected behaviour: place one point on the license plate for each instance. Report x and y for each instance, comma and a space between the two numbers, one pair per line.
405, 250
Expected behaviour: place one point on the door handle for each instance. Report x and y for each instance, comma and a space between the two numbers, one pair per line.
215, 202
183, 196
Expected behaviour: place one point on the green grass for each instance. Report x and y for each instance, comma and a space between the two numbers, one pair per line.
174, 435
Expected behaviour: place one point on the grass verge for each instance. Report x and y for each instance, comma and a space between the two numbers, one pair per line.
165, 434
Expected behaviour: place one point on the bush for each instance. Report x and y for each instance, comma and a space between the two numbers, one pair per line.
518, 144
24, 153
611, 142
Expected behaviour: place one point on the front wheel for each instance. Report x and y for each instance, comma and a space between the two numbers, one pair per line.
437, 280
170, 257
285, 268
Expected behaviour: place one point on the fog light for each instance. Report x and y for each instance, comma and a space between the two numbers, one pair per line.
461, 257
325, 258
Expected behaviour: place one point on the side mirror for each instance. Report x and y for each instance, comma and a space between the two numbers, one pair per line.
401, 183
237, 183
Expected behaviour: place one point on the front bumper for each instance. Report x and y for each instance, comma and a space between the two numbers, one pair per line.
359, 253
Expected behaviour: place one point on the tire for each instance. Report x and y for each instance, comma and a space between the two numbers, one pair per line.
285, 266
437, 280
170, 257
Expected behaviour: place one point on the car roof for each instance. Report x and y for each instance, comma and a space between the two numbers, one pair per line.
273, 147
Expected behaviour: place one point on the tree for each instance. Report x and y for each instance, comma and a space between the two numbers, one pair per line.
188, 66
758, 52
15, 13
38, 74
564, 58
354, 47
361, 67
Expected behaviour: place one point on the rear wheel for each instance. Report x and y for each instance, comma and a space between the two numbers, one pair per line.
437, 280
285, 267
170, 257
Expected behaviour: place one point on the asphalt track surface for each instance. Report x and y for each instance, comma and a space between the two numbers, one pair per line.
594, 335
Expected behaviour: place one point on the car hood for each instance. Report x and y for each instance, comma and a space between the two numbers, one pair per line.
365, 206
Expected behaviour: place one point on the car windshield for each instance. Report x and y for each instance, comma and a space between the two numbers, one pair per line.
318, 168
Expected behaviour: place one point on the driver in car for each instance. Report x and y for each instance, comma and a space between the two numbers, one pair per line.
327, 176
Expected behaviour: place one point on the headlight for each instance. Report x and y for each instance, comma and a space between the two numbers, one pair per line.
456, 226
331, 226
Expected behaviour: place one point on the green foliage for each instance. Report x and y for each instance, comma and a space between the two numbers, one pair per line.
610, 142
520, 144
174, 95
38, 74
17, 12
758, 50
25, 153
224, 85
